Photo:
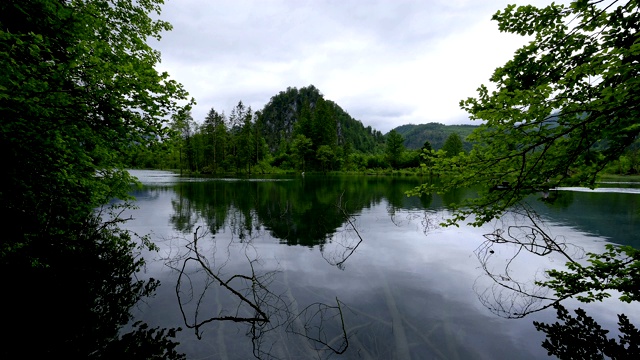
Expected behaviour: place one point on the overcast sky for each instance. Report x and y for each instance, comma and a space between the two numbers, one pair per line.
387, 63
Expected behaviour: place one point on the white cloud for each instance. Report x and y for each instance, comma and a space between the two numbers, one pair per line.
387, 63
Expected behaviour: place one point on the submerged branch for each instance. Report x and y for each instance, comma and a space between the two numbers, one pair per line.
349, 249
253, 302
508, 296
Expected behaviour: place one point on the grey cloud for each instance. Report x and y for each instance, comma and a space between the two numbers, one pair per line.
243, 31
366, 108
224, 51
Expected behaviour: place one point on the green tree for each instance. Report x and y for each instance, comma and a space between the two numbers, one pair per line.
238, 138
302, 147
306, 118
246, 142
426, 146
78, 87
216, 138
184, 129
453, 146
325, 156
394, 148
261, 148
347, 151
548, 124
427, 154
324, 128
305, 111
563, 108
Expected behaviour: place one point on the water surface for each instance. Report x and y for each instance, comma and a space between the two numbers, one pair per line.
347, 267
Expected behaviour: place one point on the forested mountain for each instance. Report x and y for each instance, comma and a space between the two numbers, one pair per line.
306, 111
298, 129
436, 133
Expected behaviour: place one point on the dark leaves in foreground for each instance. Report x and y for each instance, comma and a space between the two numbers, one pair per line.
581, 337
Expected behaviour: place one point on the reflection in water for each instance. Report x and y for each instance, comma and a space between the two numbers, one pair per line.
558, 199
207, 293
344, 243
359, 240
523, 232
386, 315
518, 236
581, 337
76, 303
297, 213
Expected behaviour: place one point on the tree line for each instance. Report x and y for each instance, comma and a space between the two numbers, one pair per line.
78, 86
298, 130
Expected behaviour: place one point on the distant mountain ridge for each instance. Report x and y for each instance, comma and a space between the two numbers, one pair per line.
436, 133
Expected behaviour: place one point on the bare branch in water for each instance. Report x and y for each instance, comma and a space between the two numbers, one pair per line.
250, 300
348, 244
520, 231
311, 323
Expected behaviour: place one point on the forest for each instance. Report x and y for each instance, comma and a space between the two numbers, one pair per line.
297, 130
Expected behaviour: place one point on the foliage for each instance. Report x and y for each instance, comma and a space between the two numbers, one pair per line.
426, 154
144, 343
426, 146
410, 159
316, 118
183, 130
627, 164
302, 148
618, 269
79, 93
583, 338
394, 148
564, 107
215, 136
242, 140
72, 100
453, 146
325, 156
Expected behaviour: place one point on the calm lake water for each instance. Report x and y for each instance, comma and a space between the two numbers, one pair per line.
349, 267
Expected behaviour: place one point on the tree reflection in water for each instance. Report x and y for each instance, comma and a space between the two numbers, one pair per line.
76, 302
248, 297
260, 300
519, 235
344, 243
581, 337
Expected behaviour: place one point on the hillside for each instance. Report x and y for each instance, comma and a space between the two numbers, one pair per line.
435, 133
307, 111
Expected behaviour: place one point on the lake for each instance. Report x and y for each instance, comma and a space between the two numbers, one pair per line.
350, 267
